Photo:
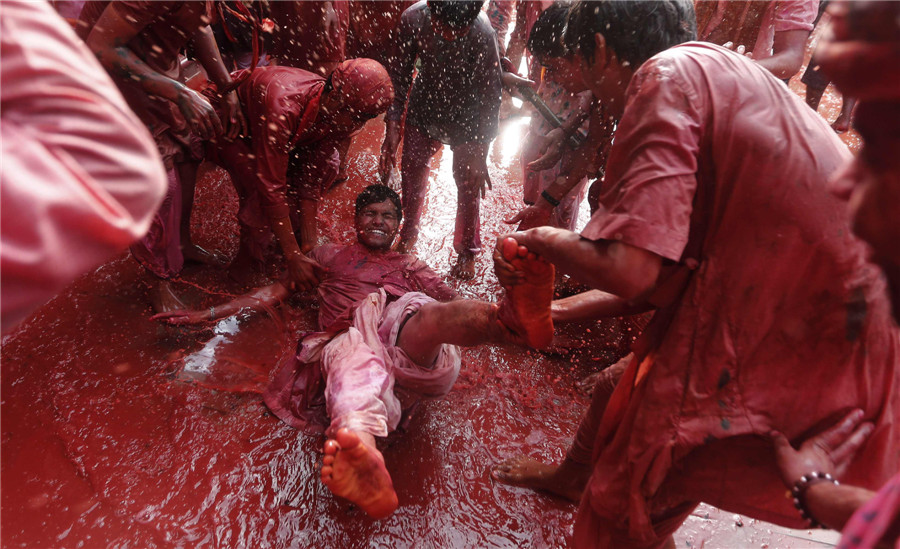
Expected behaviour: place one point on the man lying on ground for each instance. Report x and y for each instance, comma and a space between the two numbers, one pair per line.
387, 316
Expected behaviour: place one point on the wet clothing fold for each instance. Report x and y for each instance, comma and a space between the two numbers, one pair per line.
784, 325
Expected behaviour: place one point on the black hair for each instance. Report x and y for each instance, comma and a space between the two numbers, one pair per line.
546, 38
636, 30
458, 14
373, 194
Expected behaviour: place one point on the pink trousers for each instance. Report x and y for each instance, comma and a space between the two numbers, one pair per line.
362, 365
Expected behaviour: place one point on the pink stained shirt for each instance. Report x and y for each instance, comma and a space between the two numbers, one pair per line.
281, 104
80, 177
784, 323
353, 272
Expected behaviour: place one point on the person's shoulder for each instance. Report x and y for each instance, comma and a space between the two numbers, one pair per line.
416, 14
686, 63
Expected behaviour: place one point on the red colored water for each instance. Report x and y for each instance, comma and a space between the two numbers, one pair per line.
111, 436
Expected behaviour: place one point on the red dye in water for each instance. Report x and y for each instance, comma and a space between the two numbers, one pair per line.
120, 431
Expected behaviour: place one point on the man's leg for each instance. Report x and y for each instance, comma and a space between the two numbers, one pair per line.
523, 317
568, 479
159, 251
360, 401
187, 176
418, 149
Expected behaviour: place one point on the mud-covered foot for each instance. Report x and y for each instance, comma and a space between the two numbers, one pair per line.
464, 268
356, 472
195, 254
525, 309
164, 299
530, 473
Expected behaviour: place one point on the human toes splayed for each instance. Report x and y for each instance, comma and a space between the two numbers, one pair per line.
525, 309
355, 471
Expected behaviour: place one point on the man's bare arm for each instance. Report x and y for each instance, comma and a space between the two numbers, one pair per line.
615, 267
592, 305
787, 54
260, 299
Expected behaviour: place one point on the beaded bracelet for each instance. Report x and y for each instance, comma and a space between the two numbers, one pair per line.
798, 492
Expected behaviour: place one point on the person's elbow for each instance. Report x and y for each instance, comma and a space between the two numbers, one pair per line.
638, 270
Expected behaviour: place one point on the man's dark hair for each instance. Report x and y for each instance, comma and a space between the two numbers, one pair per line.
373, 194
546, 38
636, 30
457, 14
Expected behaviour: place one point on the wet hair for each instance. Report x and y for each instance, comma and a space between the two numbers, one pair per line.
457, 14
636, 30
373, 194
546, 38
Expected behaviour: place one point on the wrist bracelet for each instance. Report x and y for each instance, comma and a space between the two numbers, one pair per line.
552, 201
212, 312
798, 493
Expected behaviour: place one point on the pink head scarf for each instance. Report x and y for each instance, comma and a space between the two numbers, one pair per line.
363, 85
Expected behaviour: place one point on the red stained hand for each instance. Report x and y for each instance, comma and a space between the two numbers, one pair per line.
828, 452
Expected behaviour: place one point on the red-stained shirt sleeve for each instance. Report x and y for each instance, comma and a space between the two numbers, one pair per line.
81, 177
272, 146
651, 173
430, 283
795, 15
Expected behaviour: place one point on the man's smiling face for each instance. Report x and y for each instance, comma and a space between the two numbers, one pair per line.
377, 224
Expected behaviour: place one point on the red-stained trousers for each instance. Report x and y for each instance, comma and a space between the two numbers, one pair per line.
418, 148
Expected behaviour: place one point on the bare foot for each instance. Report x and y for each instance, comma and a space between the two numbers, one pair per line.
586, 385
464, 269
195, 254
841, 125
530, 473
526, 308
355, 471
164, 299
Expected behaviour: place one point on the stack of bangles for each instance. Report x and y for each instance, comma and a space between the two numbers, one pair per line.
798, 493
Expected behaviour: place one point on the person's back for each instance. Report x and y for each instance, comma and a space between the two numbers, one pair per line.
782, 298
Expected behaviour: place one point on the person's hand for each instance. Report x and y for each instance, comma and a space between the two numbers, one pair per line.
303, 273
470, 165
535, 215
200, 115
389, 150
235, 124
740, 50
512, 81
828, 452
551, 151
507, 273
182, 317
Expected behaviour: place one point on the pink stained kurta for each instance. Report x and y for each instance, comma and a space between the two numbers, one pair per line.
353, 276
783, 326
80, 175
871, 522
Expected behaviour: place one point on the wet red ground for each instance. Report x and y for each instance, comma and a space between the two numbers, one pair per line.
112, 436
